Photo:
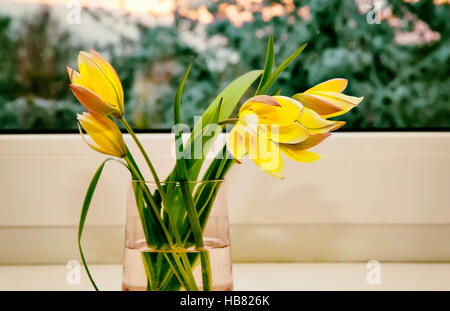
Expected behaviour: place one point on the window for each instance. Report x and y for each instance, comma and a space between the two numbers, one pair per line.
395, 53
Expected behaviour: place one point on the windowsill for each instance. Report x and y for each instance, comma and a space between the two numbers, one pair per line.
263, 276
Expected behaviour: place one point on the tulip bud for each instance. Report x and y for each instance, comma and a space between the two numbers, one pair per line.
104, 132
97, 86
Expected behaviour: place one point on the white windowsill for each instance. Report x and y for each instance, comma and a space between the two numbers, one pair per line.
263, 276
380, 196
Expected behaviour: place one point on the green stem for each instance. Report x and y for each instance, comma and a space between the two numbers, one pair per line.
228, 121
206, 272
187, 272
177, 271
148, 266
147, 160
189, 279
152, 203
198, 235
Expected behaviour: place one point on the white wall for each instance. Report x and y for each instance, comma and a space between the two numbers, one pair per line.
381, 196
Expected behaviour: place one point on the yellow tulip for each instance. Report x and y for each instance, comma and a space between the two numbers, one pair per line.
270, 125
327, 100
97, 86
104, 132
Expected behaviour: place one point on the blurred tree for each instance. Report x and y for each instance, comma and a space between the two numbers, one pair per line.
33, 79
405, 84
7, 59
43, 51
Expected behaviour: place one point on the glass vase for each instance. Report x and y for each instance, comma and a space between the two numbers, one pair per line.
162, 252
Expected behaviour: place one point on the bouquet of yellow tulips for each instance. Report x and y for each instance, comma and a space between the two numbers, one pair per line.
174, 215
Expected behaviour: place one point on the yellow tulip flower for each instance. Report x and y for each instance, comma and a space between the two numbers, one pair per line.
104, 132
97, 86
270, 125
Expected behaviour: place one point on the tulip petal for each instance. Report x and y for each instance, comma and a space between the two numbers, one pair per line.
328, 129
336, 114
313, 121
320, 105
99, 134
288, 134
283, 113
103, 86
290, 108
262, 99
312, 141
91, 101
299, 155
345, 102
74, 76
89, 143
105, 134
338, 98
266, 154
267, 113
110, 73
332, 85
338, 125
236, 142
96, 134
110, 130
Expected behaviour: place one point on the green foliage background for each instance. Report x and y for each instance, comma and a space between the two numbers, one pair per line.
405, 86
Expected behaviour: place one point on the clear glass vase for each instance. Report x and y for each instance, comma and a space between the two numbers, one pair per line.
151, 262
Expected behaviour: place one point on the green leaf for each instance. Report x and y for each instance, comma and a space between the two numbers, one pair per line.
181, 167
277, 92
177, 105
281, 68
218, 110
268, 68
231, 96
86, 203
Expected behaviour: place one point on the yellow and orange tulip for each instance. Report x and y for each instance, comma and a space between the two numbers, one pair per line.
270, 125
97, 86
104, 132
